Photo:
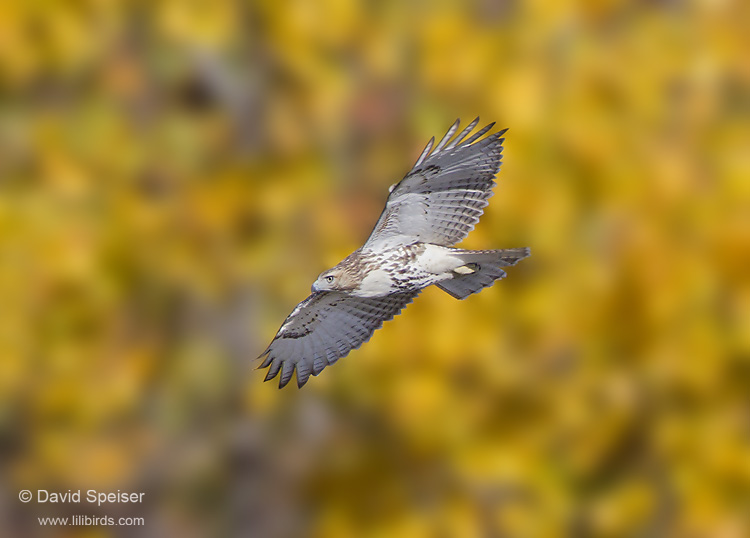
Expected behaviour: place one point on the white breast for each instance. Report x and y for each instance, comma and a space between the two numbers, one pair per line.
376, 284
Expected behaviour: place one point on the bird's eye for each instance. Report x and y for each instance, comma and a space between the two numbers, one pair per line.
329, 279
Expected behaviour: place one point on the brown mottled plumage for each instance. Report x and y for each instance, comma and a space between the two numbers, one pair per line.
435, 206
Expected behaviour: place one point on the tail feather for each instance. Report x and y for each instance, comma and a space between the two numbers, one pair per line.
481, 269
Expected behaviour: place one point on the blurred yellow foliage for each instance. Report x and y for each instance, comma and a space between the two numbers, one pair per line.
173, 176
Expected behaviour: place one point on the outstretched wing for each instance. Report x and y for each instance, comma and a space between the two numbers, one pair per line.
442, 197
325, 327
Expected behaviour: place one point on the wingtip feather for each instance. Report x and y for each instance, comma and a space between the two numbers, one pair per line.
275, 366
425, 151
451, 131
303, 372
478, 134
463, 134
302, 380
266, 362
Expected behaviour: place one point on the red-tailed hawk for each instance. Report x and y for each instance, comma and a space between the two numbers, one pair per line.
435, 206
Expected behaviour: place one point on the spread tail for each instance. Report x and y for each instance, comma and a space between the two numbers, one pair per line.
481, 269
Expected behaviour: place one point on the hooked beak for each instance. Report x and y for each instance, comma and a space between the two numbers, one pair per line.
314, 287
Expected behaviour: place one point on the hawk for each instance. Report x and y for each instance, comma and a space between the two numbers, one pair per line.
435, 206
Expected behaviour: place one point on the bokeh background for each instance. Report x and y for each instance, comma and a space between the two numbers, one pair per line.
174, 174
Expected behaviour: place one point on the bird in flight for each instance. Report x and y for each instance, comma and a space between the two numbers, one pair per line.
435, 206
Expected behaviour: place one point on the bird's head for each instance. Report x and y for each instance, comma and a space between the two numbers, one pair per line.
335, 279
